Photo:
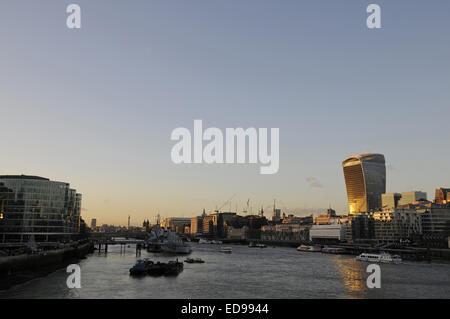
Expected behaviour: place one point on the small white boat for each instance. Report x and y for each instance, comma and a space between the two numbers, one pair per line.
313, 249
379, 258
206, 241
226, 250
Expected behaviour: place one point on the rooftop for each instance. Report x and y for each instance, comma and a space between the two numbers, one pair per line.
23, 177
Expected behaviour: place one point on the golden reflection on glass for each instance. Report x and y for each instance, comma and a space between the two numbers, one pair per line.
353, 274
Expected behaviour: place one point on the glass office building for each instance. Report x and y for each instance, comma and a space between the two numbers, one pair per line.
33, 206
365, 179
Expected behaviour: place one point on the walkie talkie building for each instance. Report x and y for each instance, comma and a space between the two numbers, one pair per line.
365, 179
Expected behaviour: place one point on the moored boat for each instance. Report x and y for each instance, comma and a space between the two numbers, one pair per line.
226, 250
314, 249
140, 268
173, 268
194, 261
175, 245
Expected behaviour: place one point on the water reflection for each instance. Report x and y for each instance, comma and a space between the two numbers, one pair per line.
353, 275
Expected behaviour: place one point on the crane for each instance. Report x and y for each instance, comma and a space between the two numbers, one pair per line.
229, 200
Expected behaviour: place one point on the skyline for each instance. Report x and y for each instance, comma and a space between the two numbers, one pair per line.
95, 107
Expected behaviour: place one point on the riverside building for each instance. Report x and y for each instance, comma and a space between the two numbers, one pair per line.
37, 207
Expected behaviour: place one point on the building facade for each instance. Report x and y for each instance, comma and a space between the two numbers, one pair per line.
442, 196
365, 180
332, 232
37, 207
397, 225
390, 201
197, 225
175, 223
411, 197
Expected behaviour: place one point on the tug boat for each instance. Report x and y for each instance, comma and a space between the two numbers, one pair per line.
140, 268
172, 268
157, 269
379, 258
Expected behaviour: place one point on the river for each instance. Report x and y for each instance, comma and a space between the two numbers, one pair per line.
273, 272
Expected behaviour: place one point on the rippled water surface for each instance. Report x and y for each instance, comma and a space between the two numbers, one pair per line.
246, 273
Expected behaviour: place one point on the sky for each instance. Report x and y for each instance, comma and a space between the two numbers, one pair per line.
96, 106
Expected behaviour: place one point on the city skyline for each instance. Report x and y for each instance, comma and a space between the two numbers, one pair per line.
95, 107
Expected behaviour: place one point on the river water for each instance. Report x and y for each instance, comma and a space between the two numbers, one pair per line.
246, 273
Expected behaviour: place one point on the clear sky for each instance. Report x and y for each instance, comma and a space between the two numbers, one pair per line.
96, 106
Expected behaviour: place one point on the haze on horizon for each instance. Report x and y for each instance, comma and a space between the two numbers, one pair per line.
95, 107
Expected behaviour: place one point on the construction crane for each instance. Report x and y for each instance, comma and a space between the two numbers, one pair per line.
245, 210
229, 200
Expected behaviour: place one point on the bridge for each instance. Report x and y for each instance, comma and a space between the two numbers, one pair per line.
126, 234
118, 238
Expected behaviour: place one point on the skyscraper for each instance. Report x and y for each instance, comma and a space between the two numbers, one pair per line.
365, 179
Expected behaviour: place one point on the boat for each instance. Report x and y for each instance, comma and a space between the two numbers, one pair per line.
155, 241
226, 250
140, 268
172, 268
253, 245
333, 250
154, 247
194, 261
379, 258
314, 249
156, 269
173, 244
206, 241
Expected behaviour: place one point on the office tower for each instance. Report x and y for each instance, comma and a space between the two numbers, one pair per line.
411, 197
38, 208
442, 196
390, 201
365, 180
